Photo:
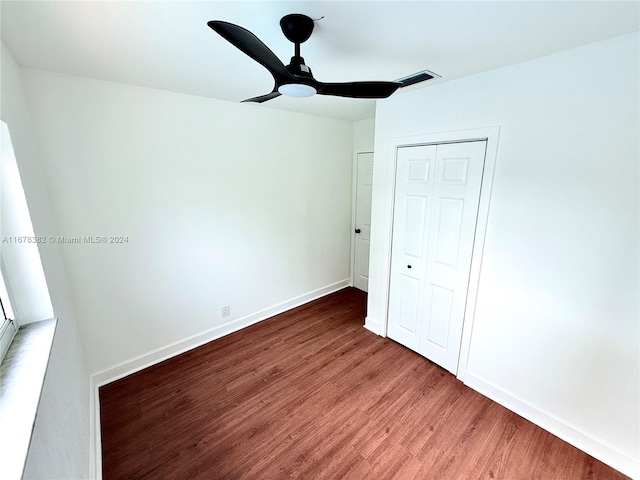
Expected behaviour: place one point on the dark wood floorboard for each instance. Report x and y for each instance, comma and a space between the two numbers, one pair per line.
311, 394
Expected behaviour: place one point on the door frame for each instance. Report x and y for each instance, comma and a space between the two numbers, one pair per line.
354, 199
491, 136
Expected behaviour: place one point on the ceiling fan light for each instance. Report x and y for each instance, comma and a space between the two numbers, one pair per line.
298, 90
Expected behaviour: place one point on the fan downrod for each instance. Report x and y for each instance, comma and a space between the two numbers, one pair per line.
296, 27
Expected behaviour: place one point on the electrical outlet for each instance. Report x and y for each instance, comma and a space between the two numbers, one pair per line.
226, 311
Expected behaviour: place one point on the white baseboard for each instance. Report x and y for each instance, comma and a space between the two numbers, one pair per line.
158, 355
556, 426
141, 362
372, 326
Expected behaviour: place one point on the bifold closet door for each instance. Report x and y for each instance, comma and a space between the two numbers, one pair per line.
435, 213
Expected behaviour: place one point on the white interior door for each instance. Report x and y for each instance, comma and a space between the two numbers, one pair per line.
364, 184
435, 214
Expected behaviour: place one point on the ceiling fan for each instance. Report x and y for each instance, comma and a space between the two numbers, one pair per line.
296, 79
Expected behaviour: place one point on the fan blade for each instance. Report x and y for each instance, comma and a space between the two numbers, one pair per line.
247, 42
358, 89
263, 98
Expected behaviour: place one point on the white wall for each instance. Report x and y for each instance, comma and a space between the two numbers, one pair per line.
556, 328
60, 441
222, 204
364, 134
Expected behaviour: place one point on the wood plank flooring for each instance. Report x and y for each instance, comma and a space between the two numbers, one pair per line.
311, 394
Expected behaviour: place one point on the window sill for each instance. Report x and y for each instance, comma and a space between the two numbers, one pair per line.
21, 378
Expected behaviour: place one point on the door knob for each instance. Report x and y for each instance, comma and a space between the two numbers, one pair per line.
357, 230
408, 266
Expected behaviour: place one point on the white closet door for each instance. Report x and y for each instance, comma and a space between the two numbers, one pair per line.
414, 185
433, 306
456, 195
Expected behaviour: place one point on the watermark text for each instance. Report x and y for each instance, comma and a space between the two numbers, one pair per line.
63, 239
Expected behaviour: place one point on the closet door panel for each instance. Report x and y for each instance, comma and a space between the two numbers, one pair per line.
415, 169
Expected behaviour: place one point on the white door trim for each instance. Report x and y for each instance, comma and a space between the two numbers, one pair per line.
491, 135
354, 193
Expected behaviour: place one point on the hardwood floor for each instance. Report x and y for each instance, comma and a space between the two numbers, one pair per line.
311, 394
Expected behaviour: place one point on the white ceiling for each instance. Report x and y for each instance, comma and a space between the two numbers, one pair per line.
167, 45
